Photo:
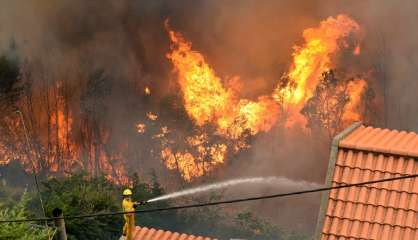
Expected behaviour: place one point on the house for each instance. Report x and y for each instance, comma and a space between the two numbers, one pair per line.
154, 234
387, 210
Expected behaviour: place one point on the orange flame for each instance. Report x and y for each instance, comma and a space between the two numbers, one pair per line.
152, 116
208, 157
249, 116
147, 91
314, 58
311, 60
63, 150
140, 128
207, 101
352, 109
357, 50
204, 96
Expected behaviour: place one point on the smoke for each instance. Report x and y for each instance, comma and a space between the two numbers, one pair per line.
72, 39
391, 49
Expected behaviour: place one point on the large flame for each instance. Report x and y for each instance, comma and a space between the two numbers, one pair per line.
62, 152
314, 57
207, 158
204, 96
352, 110
208, 101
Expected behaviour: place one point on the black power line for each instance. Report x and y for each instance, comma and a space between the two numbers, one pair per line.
279, 195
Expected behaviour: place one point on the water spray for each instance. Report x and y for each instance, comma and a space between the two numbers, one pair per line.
277, 181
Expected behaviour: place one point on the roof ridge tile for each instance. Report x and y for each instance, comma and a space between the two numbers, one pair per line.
365, 142
149, 235
393, 142
360, 137
413, 150
350, 138
145, 233
402, 146
382, 140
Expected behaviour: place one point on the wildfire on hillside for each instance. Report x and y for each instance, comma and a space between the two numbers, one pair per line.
314, 58
208, 102
223, 120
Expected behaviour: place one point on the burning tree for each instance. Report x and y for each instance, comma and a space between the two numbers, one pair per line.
11, 89
93, 111
206, 99
68, 120
301, 95
310, 60
328, 108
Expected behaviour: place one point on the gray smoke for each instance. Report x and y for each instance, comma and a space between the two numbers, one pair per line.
69, 39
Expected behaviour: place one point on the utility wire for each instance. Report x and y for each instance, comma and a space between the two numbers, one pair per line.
29, 149
279, 195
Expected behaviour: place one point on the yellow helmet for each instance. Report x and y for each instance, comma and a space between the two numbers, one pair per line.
127, 192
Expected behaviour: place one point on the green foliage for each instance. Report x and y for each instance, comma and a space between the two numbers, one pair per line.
20, 231
214, 222
80, 194
255, 228
10, 195
145, 191
14, 178
325, 109
205, 221
296, 236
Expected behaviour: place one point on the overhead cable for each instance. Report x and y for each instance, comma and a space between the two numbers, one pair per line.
278, 195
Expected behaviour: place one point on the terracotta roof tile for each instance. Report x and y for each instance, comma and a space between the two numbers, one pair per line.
387, 210
382, 140
145, 233
174, 236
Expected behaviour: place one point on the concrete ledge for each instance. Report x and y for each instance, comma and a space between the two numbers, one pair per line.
330, 174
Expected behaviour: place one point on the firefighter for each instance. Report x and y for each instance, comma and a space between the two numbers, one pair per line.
129, 206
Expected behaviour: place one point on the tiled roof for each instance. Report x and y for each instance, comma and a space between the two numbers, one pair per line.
387, 210
382, 141
145, 233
